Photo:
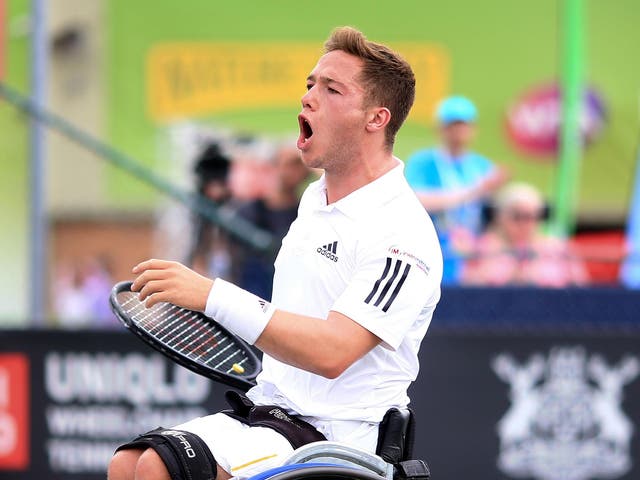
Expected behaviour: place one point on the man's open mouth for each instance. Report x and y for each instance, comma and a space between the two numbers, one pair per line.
306, 132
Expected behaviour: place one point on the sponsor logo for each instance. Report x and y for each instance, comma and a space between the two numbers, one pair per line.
183, 441
14, 411
193, 78
565, 421
81, 377
329, 250
264, 305
280, 415
93, 398
396, 252
533, 121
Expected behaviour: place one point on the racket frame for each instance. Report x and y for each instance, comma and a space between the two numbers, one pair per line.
242, 381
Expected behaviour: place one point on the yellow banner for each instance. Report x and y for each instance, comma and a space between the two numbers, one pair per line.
195, 79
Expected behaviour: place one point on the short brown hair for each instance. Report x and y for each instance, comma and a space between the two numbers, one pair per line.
386, 76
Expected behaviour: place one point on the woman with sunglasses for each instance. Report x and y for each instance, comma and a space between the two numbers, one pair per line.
514, 250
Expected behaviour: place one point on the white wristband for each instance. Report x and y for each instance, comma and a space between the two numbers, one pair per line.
241, 312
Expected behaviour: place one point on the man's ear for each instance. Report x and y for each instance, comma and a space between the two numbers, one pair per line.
379, 118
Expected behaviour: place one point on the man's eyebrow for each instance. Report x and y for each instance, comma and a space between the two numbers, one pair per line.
324, 79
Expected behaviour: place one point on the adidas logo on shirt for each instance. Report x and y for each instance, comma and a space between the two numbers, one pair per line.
264, 305
329, 250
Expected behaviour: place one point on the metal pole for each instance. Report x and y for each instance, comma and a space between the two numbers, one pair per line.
38, 215
3, 19
630, 268
572, 88
226, 218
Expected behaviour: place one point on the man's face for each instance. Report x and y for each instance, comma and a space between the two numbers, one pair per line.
333, 117
217, 190
457, 135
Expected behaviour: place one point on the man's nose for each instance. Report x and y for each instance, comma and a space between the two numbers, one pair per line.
308, 99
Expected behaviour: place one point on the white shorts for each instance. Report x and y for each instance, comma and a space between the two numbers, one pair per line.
240, 450
243, 451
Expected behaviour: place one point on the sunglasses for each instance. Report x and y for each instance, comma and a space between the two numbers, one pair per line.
522, 216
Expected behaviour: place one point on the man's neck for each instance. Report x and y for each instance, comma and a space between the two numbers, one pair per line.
455, 150
346, 181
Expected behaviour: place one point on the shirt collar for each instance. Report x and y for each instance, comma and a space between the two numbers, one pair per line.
371, 195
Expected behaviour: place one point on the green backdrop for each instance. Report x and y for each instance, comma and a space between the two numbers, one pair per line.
497, 48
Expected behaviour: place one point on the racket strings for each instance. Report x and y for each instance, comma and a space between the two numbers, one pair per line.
187, 333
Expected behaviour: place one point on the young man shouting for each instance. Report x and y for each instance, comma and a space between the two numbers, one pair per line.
356, 282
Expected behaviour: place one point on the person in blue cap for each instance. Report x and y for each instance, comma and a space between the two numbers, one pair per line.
452, 182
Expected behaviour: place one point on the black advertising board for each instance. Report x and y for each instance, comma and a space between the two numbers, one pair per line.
489, 406
88, 392
543, 407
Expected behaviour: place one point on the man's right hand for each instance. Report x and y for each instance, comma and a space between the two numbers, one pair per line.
165, 281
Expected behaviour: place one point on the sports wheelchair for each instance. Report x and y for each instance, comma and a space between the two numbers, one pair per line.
337, 461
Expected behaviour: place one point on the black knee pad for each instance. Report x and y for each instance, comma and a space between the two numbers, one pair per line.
185, 454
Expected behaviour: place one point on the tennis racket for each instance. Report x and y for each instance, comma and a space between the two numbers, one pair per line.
189, 338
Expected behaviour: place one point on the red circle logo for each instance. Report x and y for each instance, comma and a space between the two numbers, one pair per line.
533, 121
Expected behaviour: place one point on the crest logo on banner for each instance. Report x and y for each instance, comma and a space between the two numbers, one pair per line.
565, 421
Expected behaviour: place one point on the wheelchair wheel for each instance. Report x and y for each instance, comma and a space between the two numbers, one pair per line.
325, 472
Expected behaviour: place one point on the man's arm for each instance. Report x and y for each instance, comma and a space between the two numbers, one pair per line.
325, 347
439, 200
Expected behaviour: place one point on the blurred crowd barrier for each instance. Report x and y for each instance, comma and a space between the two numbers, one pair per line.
89, 264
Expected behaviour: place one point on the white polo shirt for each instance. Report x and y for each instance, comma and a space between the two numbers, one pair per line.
374, 257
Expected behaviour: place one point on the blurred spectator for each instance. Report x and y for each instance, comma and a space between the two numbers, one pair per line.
251, 175
273, 212
451, 182
98, 282
514, 251
70, 305
81, 294
209, 253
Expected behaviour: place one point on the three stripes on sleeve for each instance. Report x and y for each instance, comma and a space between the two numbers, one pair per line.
391, 282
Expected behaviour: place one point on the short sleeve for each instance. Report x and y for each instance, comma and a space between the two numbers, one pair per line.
482, 164
392, 289
420, 171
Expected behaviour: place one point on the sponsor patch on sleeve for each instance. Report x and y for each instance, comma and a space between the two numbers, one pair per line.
409, 257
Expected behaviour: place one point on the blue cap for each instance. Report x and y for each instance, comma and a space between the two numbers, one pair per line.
456, 109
